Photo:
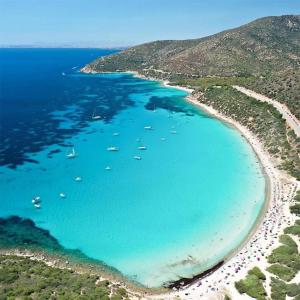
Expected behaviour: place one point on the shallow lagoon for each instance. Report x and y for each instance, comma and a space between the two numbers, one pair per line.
191, 199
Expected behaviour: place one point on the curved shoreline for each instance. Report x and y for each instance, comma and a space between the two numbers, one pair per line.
272, 177
278, 185
254, 144
263, 159
246, 135
269, 183
249, 138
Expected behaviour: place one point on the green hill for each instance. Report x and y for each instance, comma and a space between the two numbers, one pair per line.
267, 44
267, 48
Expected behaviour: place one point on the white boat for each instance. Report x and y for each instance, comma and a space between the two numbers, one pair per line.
96, 117
36, 200
62, 195
37, 205
108, 168
148, 127
137, 157
112, 148
142, 148
173, 131
78, 178
63, 74
163, 139
72, 154
116, 133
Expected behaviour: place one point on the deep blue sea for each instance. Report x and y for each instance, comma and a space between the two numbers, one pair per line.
174, 209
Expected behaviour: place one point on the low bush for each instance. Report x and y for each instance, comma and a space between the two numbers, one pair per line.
288, 241
258, 273
280, 289
283, 272
252, 284
295, 209
294, 229
23, 278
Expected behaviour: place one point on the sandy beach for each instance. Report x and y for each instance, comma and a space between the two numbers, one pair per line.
263, 238
275, 216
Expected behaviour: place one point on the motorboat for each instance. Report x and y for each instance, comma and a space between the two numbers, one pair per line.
142, 148
112, 148
36, 200
72, 154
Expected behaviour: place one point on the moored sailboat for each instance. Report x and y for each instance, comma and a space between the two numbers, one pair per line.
72, 154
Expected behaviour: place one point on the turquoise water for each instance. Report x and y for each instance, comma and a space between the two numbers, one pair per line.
190, 200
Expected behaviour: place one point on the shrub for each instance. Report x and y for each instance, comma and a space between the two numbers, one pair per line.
278, 289
293, 290
295, 209
283, 272
258, 273
288, 241
294, 229
252, 284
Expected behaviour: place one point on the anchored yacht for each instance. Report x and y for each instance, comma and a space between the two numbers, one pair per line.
112, 148
72, 154
142, 148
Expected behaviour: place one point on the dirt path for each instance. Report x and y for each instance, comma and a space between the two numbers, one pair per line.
292, 121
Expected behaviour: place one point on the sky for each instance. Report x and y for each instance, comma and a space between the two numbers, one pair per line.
117, 23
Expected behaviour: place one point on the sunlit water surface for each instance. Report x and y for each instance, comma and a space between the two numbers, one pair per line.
192, 197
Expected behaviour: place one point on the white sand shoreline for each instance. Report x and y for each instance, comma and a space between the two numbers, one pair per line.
275, 216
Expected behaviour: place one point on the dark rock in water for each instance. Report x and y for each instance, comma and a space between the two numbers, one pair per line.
16, 231
172, 105
22, 233
54, 151
29, 125
182, 282
31, 160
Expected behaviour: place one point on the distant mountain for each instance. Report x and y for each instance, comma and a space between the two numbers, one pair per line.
266, 45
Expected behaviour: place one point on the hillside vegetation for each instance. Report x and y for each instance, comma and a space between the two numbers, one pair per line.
267, 49
284, 266
23, 278
259, 117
